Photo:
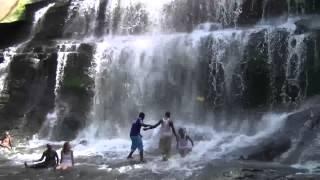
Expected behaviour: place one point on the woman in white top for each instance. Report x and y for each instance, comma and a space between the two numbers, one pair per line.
183, 147
67, 160
166, 131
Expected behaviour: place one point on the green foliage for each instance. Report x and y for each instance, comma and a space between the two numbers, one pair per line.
73, 82
18, 12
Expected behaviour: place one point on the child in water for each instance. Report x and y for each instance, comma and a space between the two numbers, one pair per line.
183, 146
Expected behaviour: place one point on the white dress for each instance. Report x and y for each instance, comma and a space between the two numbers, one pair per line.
66, 159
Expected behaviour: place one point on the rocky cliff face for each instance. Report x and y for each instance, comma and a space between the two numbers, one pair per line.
238, 64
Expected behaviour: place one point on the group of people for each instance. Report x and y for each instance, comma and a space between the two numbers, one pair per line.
50, 156
51, 159
167, 130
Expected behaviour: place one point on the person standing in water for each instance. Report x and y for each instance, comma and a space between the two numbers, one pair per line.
6, 141
136, 137
183, 139
51, 159
166, 131
66, 160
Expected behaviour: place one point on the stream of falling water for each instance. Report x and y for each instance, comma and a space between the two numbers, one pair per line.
9, 53
51, 120
7, 56
155, 72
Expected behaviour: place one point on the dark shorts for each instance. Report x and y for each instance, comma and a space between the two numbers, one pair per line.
136, 143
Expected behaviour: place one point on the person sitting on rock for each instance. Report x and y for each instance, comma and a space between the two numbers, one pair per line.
67, 160
183, 147
6, 141
51, 159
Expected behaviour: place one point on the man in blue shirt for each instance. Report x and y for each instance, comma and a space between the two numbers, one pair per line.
136, 137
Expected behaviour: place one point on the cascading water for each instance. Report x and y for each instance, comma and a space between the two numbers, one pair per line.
135, 73
46, 131
7, 56
10, 52
193, 58
38, 16
183, 72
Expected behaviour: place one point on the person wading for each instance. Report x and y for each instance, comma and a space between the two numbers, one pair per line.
183, 145
166, 131
136, 137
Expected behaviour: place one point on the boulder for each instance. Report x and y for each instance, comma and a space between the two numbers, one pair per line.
271, 149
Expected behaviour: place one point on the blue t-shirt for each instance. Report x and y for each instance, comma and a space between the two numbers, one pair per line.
136, 127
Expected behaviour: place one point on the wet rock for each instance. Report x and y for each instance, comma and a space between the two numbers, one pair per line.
1, 57
75, 93
53, 22
256, 71
313, 64
16, 32
83, 142
271, 149
276, 9
251, 12
30, 89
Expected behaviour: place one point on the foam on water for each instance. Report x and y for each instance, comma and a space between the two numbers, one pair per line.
213, 145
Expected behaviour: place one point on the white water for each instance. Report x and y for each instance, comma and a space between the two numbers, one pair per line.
38, 17
214, 145
139, 63
51, 120
4, 66
62, 61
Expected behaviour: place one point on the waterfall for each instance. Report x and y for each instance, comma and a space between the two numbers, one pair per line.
11, 51
4, 66
232, 72
52, 118
62, 60
154, 71
38, 17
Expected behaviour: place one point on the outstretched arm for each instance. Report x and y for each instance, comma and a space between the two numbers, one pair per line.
145, 125
188, 137
153, 126
42, 157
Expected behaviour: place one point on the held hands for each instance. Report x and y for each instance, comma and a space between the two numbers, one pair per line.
148, 128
